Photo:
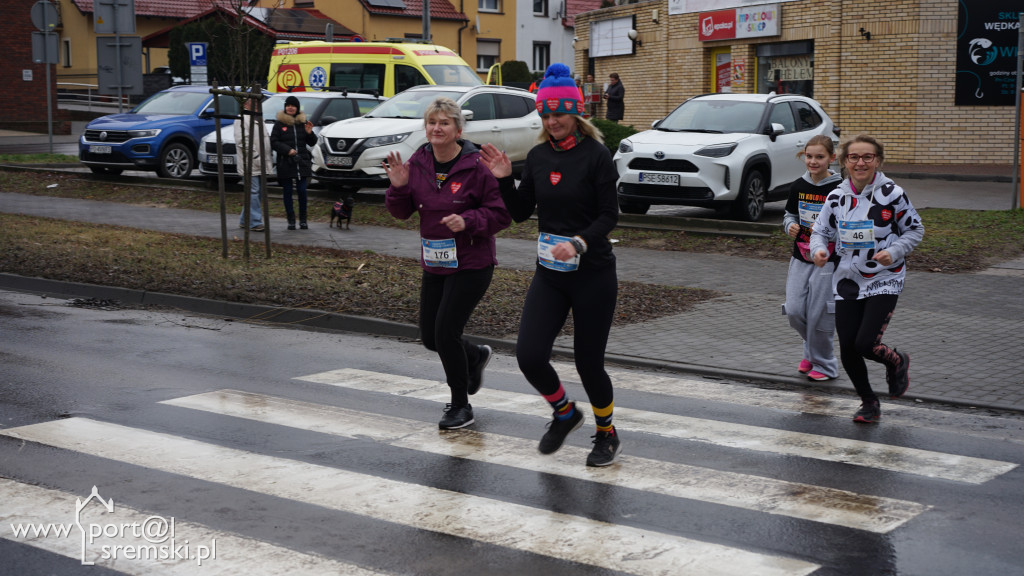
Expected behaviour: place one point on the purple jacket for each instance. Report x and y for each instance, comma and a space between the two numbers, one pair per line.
470, 191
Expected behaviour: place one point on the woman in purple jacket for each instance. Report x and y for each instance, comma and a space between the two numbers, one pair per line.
460, 210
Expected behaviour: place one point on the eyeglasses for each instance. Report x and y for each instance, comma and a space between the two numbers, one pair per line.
854, 158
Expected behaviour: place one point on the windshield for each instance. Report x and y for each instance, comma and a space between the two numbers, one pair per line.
173, 103
715, 116
410, 104
453, 75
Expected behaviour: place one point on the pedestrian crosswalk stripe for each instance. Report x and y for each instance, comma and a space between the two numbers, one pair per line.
516, 526
978, 425
894, 458
804, 501
26, 505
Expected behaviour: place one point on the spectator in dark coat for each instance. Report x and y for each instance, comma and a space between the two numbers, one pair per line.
291, 136
615, 95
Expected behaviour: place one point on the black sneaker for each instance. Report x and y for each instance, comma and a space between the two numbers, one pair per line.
869, 412
476, 375
558, 430
897, 377
606, 449
303, 226
291, 226
456, 417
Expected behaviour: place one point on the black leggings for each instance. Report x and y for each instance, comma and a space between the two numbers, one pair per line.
590, 293
446, 303
860, 325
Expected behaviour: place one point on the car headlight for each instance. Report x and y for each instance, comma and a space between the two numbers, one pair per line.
625, 146
144, 133
388, 140
716, 150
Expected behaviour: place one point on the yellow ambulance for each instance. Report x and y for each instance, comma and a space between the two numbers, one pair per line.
383, 68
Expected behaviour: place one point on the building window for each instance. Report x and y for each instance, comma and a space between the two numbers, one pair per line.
488, 54
541, 56
540, 7
488, 5
66, 52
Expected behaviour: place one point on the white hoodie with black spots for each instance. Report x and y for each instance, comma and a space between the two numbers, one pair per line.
863, 223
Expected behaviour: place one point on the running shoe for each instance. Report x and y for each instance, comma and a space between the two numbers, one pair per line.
805, 366
869, 413
476, 375
607, 448
456, 417
558, 430
897, 377
815, 375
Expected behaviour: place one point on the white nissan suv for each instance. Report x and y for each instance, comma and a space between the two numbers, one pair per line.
730, 152
349, 153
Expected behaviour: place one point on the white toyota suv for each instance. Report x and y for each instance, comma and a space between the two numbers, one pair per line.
349, 153
723, 151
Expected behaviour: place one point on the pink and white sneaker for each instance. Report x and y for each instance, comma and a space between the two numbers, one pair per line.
805, 366
815, 375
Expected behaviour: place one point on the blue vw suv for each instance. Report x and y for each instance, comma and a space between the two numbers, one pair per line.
162, 134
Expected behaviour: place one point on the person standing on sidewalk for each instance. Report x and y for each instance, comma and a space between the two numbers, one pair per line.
255, 162
874, 227
569, 178
291, 136
615, 94
810, 306
460, 211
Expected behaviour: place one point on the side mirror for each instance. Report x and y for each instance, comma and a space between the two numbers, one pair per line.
467, 114
775, 131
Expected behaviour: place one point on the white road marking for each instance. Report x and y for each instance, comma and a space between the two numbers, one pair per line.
894, 458
636, 551
804, 501
25, 505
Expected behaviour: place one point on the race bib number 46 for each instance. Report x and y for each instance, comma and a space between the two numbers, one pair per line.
857, 234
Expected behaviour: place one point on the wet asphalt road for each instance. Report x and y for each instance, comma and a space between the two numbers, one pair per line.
320, 449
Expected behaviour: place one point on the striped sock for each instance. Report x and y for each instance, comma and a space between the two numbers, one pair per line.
603, 417
560, 402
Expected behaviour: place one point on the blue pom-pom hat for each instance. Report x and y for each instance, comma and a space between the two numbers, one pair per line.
558, 92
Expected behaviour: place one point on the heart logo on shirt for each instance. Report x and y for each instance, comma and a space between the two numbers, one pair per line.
456, 186
886, 215
556, 177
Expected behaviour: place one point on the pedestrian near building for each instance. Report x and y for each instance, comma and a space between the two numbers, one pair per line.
291, 137
569, 179
615, 94
810, 306
873, 227
460, 210
255, 162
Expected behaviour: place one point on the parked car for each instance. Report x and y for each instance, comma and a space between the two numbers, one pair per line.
322, 108
349, 153
724, 151
161, 134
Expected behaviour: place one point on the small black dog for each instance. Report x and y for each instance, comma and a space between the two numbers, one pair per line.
342, 210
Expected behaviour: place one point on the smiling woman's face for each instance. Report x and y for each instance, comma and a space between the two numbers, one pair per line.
559, 125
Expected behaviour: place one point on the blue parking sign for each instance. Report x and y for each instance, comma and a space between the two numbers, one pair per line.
196, 53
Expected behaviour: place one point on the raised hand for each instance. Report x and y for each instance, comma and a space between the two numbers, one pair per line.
496, 161
397, 172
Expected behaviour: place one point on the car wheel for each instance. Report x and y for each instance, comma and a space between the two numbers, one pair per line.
627, 207
176, 161
105, 170
750, 202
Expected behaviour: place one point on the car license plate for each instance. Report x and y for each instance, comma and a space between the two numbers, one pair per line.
343, 161
212, 159
99, 149
665, 179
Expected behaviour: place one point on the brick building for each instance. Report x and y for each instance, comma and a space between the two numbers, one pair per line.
23, 99
888, 69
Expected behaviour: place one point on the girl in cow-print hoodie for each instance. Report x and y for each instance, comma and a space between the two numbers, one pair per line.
874, 227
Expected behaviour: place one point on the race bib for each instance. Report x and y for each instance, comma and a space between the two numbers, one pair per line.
440, 253
809, 213
857, 234
545, 242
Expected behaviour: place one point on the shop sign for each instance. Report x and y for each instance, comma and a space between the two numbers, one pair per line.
986, 53
748, 22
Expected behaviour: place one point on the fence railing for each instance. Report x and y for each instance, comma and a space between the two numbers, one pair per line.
86, 95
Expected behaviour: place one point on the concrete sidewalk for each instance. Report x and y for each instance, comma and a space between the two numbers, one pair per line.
964, 332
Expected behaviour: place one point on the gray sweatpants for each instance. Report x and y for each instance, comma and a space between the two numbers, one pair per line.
811, 309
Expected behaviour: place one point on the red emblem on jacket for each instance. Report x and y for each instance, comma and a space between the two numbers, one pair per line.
284, 128
886, 215
456, 186
555, 177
